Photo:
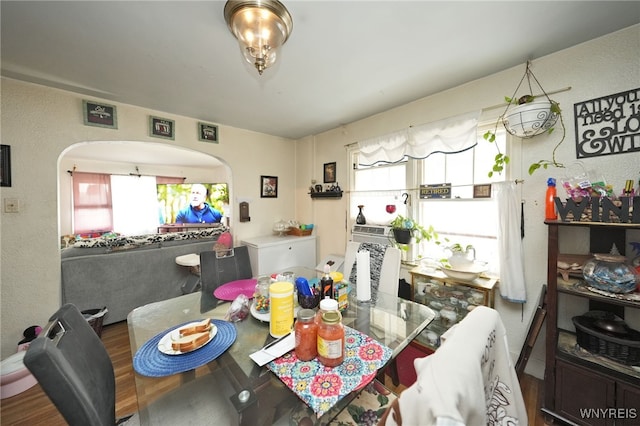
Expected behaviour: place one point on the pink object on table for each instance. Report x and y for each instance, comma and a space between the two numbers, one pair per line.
231, 290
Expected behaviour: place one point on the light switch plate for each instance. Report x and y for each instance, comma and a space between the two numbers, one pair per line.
11, 205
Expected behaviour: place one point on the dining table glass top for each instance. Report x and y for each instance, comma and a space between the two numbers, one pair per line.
391, 321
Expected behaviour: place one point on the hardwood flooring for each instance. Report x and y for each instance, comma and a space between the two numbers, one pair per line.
33, 407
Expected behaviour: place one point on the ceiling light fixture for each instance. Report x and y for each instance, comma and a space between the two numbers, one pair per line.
261, 27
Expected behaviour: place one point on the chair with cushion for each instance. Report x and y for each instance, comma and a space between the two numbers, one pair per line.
389, 264
74, 369
221, 267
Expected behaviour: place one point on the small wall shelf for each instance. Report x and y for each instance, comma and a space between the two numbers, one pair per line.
327, 194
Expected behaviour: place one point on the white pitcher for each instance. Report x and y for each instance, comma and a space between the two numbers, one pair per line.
460, 259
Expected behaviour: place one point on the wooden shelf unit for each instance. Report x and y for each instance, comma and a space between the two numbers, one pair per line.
578, 382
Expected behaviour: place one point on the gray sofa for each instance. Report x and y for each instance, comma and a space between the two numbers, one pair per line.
123, 277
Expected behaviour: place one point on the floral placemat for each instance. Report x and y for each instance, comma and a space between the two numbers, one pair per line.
322, 387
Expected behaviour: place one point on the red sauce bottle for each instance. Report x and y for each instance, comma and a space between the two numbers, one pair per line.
331, 339
305, 332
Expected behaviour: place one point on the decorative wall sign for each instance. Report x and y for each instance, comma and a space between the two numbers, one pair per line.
161, 128
441, 190
608, 125
99, 114
329, 172
269, 186
208, 132
5, 165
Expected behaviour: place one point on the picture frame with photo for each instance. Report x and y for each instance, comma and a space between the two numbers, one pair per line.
5, 165
482, 191
207, 132
329, 172
268, 186
161, 128
99, 114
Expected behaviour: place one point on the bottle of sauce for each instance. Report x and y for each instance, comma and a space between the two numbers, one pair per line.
550, 206
327, 304
331, 339
306, 333
326, 283
281, 295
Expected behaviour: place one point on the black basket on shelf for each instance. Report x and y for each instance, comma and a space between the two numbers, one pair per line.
95, 318
605, 334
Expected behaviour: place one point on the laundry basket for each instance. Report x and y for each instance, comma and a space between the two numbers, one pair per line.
95, 317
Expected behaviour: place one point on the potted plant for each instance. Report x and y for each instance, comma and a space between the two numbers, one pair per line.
526, 117
404, 230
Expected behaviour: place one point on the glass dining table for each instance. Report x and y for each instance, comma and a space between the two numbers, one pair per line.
233, 388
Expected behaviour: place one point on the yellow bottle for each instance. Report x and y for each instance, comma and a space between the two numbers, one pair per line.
281, 295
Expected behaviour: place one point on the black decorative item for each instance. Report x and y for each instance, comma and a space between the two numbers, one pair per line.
607, 125
360, 219
5, 165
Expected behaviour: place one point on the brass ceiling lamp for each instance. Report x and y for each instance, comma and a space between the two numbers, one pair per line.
261, 27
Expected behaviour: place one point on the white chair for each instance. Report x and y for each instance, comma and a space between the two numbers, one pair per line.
389, 271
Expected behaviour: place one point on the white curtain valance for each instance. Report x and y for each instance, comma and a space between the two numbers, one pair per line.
450, 135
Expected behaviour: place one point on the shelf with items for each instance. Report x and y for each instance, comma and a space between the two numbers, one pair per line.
570, 367
327, 194
451, 299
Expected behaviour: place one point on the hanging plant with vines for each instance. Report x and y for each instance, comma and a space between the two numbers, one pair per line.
525, 117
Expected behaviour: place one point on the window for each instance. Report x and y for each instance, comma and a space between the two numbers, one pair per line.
92, 211
461, 219
126, 204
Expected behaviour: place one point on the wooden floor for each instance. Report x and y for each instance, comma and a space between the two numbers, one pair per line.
33, 407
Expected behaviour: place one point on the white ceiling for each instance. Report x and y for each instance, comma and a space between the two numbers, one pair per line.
345, 60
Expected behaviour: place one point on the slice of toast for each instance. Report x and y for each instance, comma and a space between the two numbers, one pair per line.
190, 342
201, 327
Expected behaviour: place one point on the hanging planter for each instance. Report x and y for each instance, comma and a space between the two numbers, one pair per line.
526, 117
530, 119
402, 236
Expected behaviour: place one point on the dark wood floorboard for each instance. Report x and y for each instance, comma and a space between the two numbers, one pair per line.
33, 407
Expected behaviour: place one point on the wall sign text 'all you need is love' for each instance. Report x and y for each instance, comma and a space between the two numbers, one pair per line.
608, 125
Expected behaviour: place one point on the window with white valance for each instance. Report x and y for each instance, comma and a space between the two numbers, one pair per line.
447, 136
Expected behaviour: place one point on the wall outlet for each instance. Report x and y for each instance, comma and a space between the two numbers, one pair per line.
11, 205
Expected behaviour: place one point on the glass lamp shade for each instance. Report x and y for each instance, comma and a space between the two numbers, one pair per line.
261, 28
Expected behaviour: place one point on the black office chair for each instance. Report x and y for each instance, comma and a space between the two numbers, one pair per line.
74, 369
221, 267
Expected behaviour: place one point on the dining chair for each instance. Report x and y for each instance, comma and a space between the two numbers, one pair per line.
389, 269
217, 268
74, 370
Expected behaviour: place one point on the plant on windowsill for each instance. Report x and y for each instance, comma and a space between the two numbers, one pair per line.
525, 117
405, 230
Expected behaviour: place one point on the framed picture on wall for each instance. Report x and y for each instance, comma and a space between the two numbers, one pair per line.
268, 186
99, 114
330, 172
161, 128
5, 165
207, 132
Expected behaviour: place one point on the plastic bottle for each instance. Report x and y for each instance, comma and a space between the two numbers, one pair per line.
327, 304
331, 339
306, 333
550, 206
326, 283
281, 294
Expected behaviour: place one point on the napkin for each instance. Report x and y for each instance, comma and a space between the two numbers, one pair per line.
268, 354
